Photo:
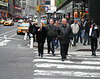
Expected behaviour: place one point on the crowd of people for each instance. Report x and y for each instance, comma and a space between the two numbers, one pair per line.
64, 32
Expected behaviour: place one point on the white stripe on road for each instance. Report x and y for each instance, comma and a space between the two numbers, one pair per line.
67, 61
50, 65
7, 32
4, 42
66, 73
12, 36
71, 57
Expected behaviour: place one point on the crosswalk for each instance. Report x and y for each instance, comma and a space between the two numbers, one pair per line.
77, 66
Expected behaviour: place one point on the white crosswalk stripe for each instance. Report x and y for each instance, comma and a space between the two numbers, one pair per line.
76, 66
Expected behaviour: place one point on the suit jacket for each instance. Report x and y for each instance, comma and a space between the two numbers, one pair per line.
64, 34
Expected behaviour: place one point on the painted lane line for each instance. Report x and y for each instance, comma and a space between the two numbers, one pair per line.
70, 57
50, 65
7, 32
66, 73
4, 42
67, 61
12, 36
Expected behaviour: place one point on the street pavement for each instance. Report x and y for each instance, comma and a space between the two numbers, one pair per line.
18, 61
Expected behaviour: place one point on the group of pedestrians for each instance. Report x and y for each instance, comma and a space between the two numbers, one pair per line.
64, 33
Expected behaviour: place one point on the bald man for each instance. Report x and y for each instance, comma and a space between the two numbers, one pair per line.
64, 34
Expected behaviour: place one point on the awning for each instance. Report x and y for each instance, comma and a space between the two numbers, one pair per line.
65, 3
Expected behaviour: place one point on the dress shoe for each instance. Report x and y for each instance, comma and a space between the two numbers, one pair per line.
53, 54
38, 54
62, 59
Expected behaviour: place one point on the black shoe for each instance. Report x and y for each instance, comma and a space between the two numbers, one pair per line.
93, 54
38, 54
41, 55
48, 52
62, 59
53, 54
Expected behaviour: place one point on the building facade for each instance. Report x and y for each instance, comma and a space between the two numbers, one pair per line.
14, 8
28, 7
76, 9
3, 8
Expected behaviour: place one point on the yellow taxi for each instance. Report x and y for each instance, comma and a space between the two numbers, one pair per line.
2, 21
23, 28
8, 23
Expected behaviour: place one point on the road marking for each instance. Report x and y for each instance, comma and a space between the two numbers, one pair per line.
67, 61
7, 32
12, 36
64, 66
4, 42
66, 73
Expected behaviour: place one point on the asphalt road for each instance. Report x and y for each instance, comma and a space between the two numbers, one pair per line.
18, 61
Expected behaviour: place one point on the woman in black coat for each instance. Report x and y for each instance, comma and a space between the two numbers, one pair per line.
94, 34
41, 35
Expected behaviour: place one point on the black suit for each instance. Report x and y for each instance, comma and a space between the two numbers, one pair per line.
41, 35
64, 34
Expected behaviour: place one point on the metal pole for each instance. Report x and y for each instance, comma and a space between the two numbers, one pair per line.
39, 14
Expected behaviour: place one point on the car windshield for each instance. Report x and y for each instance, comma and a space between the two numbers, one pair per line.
25, 25
20, 20
9, 21
2, 20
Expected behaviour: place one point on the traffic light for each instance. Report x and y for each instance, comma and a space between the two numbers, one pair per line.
41, 8
38, 8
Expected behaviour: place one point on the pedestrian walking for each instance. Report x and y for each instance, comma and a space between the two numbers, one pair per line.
51, 36
40, 39
75, 29
56, 41
83, 26
30, 29
94, 34
64, 34
87, 28
79, 34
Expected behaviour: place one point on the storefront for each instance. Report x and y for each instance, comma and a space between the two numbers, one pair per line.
3, 9
17, 11
73, 9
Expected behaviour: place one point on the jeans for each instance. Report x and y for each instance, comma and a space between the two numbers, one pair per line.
82, 35
79, 36
86, 39
51, 40
74, 38
56, 43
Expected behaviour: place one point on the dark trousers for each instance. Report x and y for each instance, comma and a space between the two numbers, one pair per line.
94, 45
40, 48
64, 50
74, 38
79, 36
51, 41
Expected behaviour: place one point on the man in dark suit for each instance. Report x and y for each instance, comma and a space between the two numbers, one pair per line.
51, 36
64, 34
